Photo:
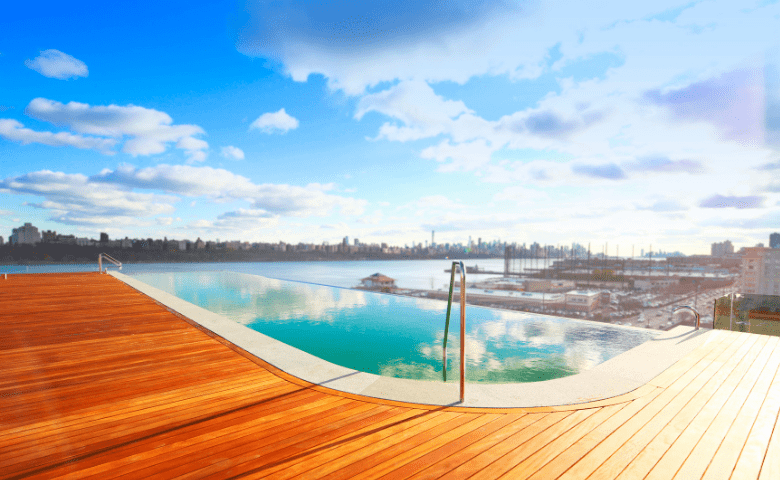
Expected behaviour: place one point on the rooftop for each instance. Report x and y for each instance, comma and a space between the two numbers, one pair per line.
98, 379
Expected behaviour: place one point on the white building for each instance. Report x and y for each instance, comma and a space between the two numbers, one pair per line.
651, 283
583, 300
25, 234
761, 271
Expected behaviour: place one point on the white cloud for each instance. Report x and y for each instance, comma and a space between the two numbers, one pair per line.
222, 185
414, 103
275, 122
75, 199
232, 152
144, 131
465, 156
366, 43
15, 131
55, 64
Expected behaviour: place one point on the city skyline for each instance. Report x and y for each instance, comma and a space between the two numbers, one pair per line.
289, 121
30, 234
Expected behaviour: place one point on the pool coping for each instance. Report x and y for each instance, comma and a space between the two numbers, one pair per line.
616, 376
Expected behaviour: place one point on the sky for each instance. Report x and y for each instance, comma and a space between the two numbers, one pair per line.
633, 123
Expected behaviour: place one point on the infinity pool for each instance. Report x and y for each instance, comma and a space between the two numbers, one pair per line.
399, 336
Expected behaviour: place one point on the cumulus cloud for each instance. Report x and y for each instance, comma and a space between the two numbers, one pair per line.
143, 197
222, 185
180, 179
415, 104
15, 131
232, 152
722, 201
733, 101
145, 131
463, 156
275, 122
55, 64
75, 199
363, 43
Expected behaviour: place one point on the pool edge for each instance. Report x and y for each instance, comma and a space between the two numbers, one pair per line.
615, 377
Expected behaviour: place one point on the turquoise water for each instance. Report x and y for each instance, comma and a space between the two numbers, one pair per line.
399, 336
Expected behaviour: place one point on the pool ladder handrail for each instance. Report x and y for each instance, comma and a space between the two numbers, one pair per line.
458, 264
108, 258
688, 307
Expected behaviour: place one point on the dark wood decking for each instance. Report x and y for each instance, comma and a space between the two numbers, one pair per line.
99, 381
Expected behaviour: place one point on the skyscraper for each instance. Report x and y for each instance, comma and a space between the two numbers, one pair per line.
774, 240
25, 234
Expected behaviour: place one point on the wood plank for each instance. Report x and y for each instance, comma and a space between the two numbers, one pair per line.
629, 451
505, 445
717, 389
566, 459
561, 443
593, 459
444, 450
710, 435
313, 459
444, 466
755, 449
501, 465
725, 460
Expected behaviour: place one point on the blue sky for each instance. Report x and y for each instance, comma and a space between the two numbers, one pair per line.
634, 124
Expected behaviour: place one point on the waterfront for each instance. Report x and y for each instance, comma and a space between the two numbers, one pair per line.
408, 274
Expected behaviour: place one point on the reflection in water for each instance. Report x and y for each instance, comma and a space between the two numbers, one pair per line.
402, 337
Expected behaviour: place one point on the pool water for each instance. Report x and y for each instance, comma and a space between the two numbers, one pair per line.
400, 336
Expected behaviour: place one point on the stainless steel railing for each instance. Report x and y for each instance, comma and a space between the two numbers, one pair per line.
462, 326
688, 307
109, 259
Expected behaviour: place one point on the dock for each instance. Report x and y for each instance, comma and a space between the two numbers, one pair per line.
100, 381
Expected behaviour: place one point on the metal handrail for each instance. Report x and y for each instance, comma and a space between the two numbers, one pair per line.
698, 317
462, 326
108, 258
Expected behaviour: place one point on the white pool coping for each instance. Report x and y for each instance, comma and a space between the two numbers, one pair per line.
618, 375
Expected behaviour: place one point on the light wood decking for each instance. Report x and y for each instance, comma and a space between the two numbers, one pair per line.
99, 381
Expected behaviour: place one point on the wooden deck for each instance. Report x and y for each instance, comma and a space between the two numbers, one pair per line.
99, 381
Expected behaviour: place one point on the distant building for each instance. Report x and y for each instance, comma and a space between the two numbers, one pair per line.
103, 237
761, 271
48, 236
378, 280
774, 240
583, 300
1, 241
655, 283
722, 249
25, 234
